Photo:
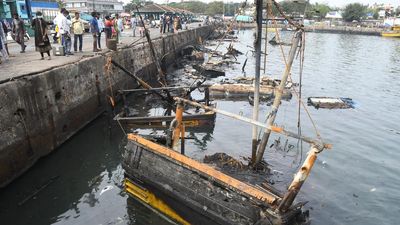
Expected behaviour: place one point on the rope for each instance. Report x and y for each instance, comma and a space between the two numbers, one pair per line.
108, 70
291, 22
284, 59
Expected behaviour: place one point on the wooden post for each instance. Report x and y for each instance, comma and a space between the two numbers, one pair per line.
299, 179
178, 129
161, 75
278, 96
257, 79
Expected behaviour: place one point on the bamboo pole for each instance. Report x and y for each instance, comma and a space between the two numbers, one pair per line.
274, 129
161, 75
257, 79
278, 96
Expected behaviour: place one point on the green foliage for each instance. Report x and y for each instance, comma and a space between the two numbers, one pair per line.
214, 8
130, 7
354, 11
60, 4
319, 10
294, 7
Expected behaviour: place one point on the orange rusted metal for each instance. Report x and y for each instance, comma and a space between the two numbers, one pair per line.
203, 169
299, 179
276, 129
178, 129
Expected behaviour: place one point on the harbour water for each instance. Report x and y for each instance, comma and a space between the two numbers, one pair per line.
354, 183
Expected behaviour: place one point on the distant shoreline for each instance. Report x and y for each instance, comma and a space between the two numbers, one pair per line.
371, 31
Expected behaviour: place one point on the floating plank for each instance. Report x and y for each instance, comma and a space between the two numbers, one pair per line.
330, 102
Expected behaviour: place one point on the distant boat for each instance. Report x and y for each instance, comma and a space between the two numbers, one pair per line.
393, 32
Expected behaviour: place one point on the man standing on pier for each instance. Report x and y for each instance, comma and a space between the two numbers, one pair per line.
133, 24
78, 29
65, 31
18, 31
94, 29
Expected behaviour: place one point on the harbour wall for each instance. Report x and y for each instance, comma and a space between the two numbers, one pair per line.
39, 112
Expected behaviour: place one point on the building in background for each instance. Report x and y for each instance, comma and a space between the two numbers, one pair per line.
28, 8
87, 6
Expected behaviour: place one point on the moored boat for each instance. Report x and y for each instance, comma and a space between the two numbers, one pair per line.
393, 32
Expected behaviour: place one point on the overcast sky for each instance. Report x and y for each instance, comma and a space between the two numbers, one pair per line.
329, 2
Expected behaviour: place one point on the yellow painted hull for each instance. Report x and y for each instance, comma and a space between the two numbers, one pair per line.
390, 34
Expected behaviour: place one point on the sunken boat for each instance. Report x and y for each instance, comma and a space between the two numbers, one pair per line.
186, 191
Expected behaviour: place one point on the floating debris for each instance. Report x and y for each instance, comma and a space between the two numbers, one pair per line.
237, 90
105, 189
331, 102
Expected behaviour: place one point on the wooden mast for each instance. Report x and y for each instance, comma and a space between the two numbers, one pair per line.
257, 79
278, 96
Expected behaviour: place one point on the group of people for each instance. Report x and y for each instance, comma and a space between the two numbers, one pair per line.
17, 30
136, 22
171, 23
66, 28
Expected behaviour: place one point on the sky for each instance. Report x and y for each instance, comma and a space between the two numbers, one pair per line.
338, 3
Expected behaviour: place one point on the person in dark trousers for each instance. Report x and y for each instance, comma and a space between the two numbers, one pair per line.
108, 28
42, 42
78, 29
101, 29
4, 34
18, 31
94, 29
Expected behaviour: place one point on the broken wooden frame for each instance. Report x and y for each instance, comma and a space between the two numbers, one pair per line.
317, 146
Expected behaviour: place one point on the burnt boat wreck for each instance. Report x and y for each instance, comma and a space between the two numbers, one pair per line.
191, 192
159, 173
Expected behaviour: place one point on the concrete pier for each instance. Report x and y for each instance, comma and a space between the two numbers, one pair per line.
44, 106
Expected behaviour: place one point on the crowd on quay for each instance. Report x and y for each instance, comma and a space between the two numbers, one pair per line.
66, 30
70, 28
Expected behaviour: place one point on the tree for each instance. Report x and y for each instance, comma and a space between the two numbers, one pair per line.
214, 8
60, 4
354, 11
130, 7
321, 10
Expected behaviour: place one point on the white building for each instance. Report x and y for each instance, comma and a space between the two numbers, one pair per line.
101, 6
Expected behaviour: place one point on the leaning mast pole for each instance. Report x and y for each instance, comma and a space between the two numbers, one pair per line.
278, 95
257, 46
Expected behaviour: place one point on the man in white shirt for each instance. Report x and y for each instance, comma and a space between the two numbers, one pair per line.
133, 24
120, 24
65, 31
101, 29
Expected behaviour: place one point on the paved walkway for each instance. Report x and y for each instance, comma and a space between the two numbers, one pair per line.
21, 64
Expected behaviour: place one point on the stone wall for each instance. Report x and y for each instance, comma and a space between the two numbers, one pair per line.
39, 112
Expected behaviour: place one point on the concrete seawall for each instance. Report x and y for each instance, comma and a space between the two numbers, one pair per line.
38, 112
325, 29
346, 30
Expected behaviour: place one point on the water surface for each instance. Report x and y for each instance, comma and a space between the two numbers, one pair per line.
357, 182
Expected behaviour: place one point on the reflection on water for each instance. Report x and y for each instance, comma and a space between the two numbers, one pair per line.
355, 183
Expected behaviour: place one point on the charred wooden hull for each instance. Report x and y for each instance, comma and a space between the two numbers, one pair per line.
204, 122
196, 192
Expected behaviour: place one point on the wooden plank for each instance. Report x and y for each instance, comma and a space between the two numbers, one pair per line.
268, 198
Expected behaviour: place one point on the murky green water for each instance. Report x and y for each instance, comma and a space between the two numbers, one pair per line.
355, 183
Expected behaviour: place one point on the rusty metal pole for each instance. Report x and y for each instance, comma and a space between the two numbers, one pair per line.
299, 179
257, 46
178, 129
278, 96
